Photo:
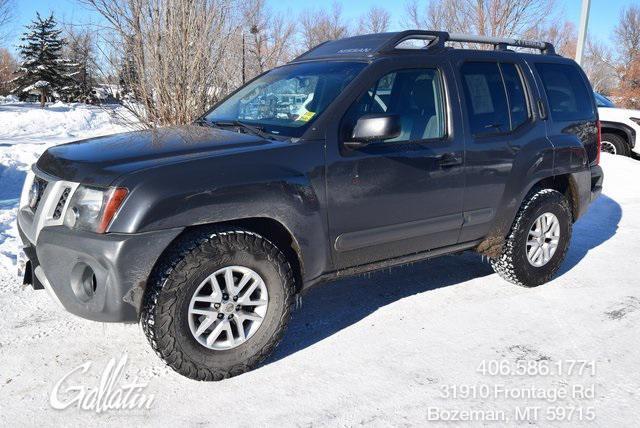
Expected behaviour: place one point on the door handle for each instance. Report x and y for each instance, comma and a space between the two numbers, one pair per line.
449, 160
541, 110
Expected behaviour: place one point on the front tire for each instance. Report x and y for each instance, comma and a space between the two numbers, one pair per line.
615, 145
538, 241
219, 305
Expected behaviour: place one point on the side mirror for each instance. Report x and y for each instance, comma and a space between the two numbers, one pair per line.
374, 127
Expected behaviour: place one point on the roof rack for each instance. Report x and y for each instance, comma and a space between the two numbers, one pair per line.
439, 38
503, 43
369, 45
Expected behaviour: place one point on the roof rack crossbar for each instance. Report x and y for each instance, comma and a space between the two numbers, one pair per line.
437, 37
503, 42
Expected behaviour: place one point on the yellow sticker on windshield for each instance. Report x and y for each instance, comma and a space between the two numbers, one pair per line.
306, 117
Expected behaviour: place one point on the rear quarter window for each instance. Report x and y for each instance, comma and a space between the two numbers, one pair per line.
567, 92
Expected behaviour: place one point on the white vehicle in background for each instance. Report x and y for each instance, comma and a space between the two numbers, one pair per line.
620, 127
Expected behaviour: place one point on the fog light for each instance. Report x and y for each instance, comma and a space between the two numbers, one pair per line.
72, 217
83, 282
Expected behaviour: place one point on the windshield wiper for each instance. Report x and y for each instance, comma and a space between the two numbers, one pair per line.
202, 121
255, 130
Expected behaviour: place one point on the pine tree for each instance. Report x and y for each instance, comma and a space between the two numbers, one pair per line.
79, 61
43, 67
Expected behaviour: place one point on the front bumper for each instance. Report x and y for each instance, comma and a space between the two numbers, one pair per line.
98, 277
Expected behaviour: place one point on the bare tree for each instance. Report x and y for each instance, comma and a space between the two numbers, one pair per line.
498, 18
7, 8
8, 66
267, 37
178, 52
375, 20
627, 40
322, 25
599, 65
561, 33
443, 17
627, 33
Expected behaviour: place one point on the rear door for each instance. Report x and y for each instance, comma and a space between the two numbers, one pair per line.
504, 138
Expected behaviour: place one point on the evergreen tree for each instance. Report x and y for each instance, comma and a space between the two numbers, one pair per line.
79, 61
43, 67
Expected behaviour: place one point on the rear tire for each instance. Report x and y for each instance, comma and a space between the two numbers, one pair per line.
518, 263
168, 308
615, 145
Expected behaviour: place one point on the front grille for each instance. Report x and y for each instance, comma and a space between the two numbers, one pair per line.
41, 186
47, 202
57, 213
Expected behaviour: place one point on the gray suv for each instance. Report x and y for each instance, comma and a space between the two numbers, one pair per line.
361, 154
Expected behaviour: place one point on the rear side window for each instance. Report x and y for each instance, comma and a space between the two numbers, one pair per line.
568, 95
516, 95
486, 100
495, 94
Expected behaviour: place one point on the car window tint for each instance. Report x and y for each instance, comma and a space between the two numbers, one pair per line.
414, 95
485, 95
568, 95
516, 95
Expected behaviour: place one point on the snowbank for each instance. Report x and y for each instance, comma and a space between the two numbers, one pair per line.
26, 131
20, 122
9, 99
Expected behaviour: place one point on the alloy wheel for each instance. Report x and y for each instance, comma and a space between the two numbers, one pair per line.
228, 307
543, 239
608, 147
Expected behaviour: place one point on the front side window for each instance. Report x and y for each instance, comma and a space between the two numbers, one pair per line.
568, 94
415, 96
286, 100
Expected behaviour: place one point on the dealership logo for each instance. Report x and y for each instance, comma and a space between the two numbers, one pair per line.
111, 393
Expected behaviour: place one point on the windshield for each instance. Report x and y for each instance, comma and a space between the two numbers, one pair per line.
286, 100
603, 101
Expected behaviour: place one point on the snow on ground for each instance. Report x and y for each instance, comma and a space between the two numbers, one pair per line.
377, 350
25, 132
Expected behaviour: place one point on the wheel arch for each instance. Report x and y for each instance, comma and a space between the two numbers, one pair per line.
271, 229
621, 130
567, 184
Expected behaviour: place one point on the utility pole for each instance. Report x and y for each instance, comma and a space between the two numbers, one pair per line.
582, 35
244, 72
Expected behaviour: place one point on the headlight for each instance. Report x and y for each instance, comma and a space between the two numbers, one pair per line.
636, 120
25, 196
93, 209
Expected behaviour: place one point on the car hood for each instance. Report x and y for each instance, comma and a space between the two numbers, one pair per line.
617, 113
101, 160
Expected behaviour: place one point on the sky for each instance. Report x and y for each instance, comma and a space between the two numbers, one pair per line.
603, 16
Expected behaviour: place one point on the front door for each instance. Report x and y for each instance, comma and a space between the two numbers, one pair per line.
404, 195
